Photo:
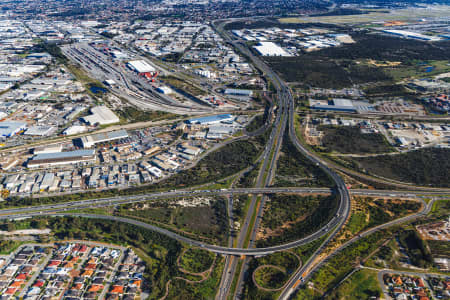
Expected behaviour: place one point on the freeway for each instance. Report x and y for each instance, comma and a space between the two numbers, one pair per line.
299, 278
344, 206
184, 193
286, 102
63, 211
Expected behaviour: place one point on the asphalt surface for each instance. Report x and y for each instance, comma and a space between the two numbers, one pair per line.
286, 111
296, 282
102, 202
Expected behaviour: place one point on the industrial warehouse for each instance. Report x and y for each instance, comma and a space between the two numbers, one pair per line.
61, 158
211, 120
90, 140
141, 66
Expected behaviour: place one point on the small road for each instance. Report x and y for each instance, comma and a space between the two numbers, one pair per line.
287, 293
382, 272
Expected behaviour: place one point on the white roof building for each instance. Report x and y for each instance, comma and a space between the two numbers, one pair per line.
41, 130
155, 172
91, 140
11, 128
270, 49
141, 66
75, 129
101, 115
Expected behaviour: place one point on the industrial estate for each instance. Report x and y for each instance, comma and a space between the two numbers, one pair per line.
224, 149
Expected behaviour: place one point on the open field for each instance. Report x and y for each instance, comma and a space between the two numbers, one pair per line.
427, 167
347, 65
368, 213
408, 14
206, 220
339, 265
343, 139
418, 69
132, 114
361, 285
269, 273
196, 260
290, 217
293, 169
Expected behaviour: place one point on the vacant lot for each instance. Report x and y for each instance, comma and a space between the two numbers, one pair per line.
361, 285
342, 66
426, 167
202, 221
350, 139
293, 169
274, 271
290, 217
196, 260
368, 213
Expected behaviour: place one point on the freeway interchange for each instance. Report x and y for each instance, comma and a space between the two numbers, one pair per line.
284, 123
64, 209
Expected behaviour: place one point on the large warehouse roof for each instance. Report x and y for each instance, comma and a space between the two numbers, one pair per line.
91, 140
270, 49
11, 128
64, 155
141, 66
102, 115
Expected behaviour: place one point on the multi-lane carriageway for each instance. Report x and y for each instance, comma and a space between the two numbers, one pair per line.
62, 209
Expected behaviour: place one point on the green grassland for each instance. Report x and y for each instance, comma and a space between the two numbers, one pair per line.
387, 89
196, 260
418, 69
368, 213
256, 123
7, 246
342, 263
180, 84
133, 114
439, 248
416, 249
269, 277
350, 140
181, 290
363, 284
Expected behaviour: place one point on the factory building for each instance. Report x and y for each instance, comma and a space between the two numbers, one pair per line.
412, 35
101, 115
212, 119
270, 49
48, 149
8, 129
239, 93
342, 105
75, 129
61, 158
40, 130
141, 66
90, 140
